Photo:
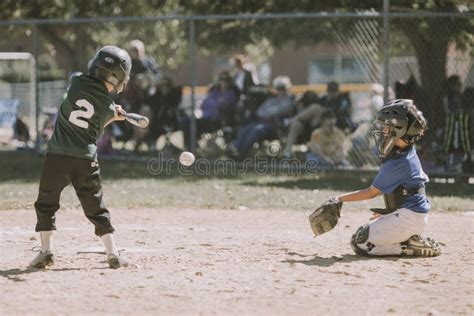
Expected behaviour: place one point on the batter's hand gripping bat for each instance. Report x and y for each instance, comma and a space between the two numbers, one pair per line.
137, 119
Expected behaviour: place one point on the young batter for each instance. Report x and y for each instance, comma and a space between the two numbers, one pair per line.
72, 151
402, 181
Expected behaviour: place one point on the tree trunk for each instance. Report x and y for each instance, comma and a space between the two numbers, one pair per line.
81, 55
431, 51
83, 40
432, 66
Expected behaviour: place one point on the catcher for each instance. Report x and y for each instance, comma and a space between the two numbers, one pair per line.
397, 228
72, 151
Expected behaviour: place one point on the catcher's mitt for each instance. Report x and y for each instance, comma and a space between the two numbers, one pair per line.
325, 217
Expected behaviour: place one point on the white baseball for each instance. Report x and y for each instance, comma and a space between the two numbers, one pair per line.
186, 158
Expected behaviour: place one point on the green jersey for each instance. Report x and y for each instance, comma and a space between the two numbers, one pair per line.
81, 118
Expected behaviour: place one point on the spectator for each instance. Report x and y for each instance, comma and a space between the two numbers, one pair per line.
132, 100
141, 64
269, 115
340, 104
453, 99
457, 143
306, 100
21, 130
329, 145
164, 101
220, 101
143, 76
363, 145
48, 125
307, 119
133, 97
243, 77
468, 100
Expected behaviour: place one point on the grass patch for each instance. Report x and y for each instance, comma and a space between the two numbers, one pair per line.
130, 185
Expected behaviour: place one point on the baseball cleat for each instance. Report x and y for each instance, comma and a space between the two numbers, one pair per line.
421, 247
43, 259
116, 261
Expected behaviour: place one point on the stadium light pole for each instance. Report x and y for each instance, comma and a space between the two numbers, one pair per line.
386, 49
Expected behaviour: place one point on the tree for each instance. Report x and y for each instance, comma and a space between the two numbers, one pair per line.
73, 45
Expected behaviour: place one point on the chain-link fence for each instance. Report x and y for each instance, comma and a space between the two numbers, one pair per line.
305, 86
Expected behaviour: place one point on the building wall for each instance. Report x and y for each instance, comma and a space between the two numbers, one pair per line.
289, 60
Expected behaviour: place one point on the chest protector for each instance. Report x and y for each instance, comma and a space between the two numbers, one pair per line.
393, 201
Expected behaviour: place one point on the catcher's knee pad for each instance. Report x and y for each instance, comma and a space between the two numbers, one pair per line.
361, 236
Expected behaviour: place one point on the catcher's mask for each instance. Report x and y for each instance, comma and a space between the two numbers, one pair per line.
398, 119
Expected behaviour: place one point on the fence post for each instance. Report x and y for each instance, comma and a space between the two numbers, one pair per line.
386, 49
192, 53
35, 48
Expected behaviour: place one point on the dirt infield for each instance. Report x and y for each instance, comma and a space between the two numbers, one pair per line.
230, 262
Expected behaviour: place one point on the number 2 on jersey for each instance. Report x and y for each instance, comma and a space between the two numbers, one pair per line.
79, 117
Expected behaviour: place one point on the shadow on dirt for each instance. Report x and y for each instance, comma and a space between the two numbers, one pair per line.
15, 274
315, 260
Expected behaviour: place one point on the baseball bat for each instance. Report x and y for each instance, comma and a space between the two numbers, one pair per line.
137, 119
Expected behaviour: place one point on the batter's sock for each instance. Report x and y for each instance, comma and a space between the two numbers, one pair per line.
109, 243
46, 240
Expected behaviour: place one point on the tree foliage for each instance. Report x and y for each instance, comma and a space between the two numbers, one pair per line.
73, 45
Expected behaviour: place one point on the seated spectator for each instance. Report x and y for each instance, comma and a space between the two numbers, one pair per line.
269, 116
253, 98
328, 144
306, 100
340, 104
457, 143
51, 115
364, 150
164, 101
21, 130
243, 78
307, 119
220, 101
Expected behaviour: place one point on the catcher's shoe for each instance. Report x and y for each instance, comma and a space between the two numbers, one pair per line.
116, 261
421, 247
42, 260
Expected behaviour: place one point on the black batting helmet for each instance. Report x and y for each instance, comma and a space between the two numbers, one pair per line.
111, 64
